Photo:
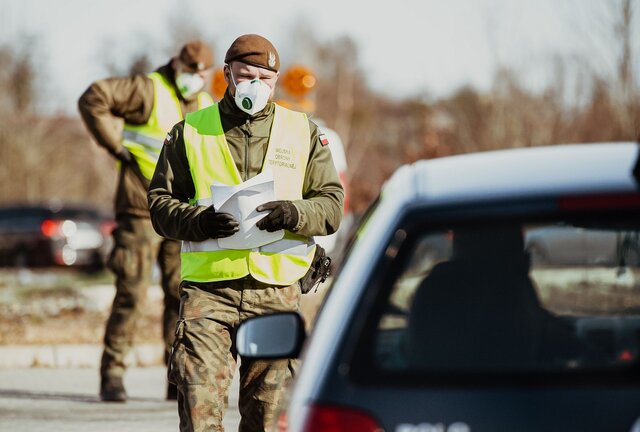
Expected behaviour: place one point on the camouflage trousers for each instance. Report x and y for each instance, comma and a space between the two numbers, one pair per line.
136, 249
204, 358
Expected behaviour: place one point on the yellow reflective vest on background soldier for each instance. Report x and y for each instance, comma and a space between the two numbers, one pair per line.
135, 100
145, 141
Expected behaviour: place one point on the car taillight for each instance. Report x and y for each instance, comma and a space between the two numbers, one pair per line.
338, 419
107, 227
50, 228
58, 228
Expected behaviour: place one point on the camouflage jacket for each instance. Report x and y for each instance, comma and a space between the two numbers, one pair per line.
320, 210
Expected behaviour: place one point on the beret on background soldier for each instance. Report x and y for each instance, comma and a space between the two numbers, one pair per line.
254, 50
196, 55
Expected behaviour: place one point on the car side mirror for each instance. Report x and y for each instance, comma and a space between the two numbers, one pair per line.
280, 335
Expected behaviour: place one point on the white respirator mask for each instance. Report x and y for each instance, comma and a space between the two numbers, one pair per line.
251, 95
189, 83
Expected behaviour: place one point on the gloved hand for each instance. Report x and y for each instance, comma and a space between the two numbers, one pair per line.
217, 225
283, 215
124, 156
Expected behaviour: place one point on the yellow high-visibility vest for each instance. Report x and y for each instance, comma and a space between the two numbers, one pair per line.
282, 262
145, 141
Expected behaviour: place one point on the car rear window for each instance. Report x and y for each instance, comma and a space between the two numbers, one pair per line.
522, 296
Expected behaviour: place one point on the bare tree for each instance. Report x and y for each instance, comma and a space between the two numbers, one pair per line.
140, 64
628, 95
183, 26
609, 34
134, 57
17, 76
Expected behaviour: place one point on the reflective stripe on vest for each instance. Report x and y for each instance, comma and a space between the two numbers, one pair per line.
280, 263
153, 144
145, 141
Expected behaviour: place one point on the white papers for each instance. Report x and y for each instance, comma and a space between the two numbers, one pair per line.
241, 201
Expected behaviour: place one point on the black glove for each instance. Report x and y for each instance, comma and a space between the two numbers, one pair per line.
124, 156
217, 225
284, 215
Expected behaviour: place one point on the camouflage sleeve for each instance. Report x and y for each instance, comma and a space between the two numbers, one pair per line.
171, 189
322, 205
106, 103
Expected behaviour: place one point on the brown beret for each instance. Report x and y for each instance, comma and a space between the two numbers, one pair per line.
254, 50
197, 55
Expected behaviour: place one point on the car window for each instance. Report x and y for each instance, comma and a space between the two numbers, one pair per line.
514, 297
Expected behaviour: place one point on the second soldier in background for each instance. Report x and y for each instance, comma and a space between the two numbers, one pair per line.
149, 105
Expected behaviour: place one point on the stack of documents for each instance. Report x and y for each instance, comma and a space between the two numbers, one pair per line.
241, 202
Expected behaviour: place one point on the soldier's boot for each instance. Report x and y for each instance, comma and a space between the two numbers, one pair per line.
112, 390
172, 392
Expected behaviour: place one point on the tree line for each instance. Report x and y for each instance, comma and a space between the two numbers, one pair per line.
53, 157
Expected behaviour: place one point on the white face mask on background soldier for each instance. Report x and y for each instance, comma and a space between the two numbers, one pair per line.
189, 83
251, 95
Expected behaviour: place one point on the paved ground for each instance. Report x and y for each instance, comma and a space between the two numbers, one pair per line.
50, 347
59, 399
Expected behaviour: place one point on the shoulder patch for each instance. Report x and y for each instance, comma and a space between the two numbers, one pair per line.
323, 139
168, 139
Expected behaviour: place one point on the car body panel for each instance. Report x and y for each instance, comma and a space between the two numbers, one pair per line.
581, 183
527, 172
488, 410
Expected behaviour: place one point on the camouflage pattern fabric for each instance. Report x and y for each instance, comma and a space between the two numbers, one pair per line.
204, 359
136, 248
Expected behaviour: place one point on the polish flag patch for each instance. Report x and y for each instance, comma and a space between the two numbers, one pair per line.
168, 139
323, 139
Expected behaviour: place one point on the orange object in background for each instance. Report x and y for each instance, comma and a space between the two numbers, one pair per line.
298, 80
218, 84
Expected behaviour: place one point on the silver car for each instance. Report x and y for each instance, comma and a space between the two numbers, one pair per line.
441, 321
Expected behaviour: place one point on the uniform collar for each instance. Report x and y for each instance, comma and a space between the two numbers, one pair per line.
169, 74
228, 107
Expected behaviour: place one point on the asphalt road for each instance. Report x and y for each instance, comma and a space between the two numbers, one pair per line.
65, 400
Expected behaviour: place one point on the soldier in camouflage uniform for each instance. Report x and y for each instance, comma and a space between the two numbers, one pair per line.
229, 143
149, 105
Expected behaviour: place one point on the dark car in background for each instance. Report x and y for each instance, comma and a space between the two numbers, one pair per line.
440, 321
38, 236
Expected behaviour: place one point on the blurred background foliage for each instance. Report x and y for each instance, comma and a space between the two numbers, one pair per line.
48, 156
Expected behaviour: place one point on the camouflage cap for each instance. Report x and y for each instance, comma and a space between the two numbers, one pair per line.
196, 55
255, 50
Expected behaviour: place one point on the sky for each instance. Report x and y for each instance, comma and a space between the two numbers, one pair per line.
405, 47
